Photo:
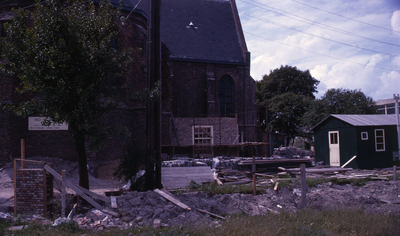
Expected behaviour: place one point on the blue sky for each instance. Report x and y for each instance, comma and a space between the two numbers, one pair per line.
351, 44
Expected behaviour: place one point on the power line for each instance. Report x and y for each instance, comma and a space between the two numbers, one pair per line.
321, 54
307, 21
348, 18
335, 41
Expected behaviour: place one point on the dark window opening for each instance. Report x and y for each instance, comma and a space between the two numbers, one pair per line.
225, 91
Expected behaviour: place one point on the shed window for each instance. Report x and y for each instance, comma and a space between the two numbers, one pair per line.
364, 135
380, 140
203, 135
333, 138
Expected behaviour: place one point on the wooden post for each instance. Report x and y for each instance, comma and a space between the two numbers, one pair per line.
303, 185
254, 185
253, 170
394, 172
15, 186
22, 153
64, 176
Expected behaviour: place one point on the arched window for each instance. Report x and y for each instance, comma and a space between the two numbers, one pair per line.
225, 90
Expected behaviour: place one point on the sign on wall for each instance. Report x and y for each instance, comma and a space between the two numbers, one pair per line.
35, 123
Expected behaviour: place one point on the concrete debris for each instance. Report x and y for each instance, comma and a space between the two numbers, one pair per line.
5, 216
61, 220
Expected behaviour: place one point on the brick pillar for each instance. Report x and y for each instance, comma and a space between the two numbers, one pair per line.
31, 191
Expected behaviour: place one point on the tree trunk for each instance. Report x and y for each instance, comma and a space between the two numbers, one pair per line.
82, 161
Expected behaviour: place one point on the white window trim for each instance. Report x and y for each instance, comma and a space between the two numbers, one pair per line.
203, 126
366, 138
376, 142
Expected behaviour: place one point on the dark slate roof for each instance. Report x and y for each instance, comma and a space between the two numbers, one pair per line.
364, 120
213, 36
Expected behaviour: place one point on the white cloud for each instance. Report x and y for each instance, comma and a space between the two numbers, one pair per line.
336, 65
395, 21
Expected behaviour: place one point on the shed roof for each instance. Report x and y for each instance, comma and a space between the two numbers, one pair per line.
363, 120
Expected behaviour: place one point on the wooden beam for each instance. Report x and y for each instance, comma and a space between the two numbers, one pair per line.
320, 171
73, 187
217, 179
172, 199
303, 185
114, 202
95, 195
276, 161
345, 164
63, 191
211, 214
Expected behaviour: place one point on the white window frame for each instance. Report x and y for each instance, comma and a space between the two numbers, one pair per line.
380, 143
362, 135
207, 133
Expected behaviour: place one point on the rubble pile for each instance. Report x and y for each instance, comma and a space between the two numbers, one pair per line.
151, 209
292, 153
138, 209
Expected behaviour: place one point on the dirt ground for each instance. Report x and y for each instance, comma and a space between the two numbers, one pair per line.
149, 208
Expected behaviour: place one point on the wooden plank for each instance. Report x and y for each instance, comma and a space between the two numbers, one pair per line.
95, 195
211, 214
172, 199
276, 186
63, 191
345, 164
114, 202
217, 179
277, 161
264, 175
321, 171
303, 185
111, 212
73, 187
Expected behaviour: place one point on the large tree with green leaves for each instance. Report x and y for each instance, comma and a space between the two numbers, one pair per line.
338, 101
286, 91
345, 101
63, 53
286, 79
286, 111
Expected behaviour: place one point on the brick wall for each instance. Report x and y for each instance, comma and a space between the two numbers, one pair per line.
30, 192
227, 126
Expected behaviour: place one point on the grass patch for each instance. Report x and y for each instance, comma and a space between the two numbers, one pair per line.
305, 222
229, 189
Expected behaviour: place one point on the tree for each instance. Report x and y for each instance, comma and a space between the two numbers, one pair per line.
64, 54
286, 110
316, 111
338, 101
287, 79
345, 101
286, 91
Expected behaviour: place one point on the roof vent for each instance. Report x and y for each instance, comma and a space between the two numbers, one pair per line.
191, 26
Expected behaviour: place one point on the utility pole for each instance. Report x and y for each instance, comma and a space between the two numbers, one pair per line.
397, 120
153, 126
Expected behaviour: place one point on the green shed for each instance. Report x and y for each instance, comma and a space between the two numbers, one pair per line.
372, 138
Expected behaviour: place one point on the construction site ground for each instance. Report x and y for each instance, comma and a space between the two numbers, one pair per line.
378, 195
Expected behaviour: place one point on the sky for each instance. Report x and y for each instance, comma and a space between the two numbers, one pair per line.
349, 44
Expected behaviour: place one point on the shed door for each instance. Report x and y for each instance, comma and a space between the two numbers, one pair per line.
334, 151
